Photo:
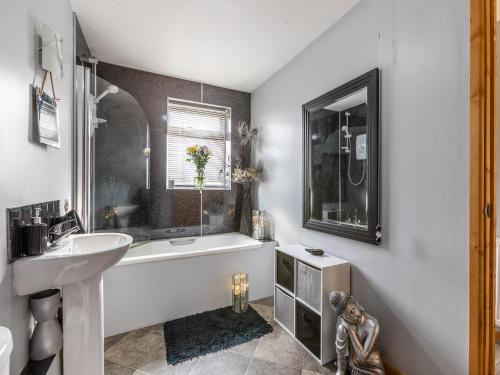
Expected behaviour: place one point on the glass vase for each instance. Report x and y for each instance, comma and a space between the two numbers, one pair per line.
240, 292
246, 211
199, 180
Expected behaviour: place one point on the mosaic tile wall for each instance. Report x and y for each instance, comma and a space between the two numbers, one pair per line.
168, 213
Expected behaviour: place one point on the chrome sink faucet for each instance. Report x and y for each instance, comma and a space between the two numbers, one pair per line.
57, 234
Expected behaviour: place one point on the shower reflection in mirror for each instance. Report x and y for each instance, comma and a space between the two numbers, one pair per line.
347, 126
338, 161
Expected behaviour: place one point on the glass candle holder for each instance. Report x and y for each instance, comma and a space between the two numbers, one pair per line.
240, 292
258, 225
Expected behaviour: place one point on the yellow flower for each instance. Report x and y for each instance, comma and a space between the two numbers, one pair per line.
192, 150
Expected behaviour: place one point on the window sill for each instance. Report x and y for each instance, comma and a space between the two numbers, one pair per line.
205, 188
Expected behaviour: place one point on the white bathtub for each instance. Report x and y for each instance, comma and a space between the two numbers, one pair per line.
167, 279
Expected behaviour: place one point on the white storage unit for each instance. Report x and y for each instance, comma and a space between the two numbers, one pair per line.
303, 283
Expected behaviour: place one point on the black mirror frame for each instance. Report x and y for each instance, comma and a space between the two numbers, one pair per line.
373, 234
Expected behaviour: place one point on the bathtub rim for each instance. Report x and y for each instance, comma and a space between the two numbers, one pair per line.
206, 252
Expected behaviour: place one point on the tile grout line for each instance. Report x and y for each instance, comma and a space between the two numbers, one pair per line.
118, 362
127, 333
248, 366
285, 366
252, 356
126, 366
149, 329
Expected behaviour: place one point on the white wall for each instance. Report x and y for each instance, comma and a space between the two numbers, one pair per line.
416, 282
29, 173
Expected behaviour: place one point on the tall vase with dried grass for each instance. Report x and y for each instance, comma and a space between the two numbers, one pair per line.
245, 175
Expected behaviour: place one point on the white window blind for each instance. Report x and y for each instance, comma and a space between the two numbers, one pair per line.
191, 123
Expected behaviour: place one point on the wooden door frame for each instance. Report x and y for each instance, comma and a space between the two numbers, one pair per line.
482, 207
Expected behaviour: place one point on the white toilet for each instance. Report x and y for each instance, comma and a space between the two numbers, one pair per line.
5, 350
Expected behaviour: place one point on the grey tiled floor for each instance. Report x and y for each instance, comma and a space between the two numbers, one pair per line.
142, 352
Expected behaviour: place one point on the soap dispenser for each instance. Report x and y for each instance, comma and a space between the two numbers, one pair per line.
35, 235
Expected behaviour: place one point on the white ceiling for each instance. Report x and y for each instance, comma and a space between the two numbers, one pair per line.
230, 43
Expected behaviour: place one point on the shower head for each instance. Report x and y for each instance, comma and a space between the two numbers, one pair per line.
345, 129
111, 89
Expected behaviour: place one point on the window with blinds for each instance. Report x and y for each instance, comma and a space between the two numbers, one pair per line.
192, 123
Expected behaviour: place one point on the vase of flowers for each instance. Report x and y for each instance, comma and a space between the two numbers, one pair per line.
199, 156
199, 180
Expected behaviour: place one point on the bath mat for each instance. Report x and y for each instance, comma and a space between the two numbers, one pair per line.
209, 332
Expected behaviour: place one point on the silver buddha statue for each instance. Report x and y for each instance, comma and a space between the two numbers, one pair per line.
357, 336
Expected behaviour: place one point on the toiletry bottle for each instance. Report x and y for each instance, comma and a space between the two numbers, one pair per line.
35, 235
17, 237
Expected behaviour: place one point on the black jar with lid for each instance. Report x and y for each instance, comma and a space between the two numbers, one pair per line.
34, 236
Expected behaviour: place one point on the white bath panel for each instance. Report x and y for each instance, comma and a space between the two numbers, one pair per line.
139, 294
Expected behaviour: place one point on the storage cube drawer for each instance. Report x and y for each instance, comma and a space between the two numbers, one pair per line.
284, 309
285, 270
309, 285
308, 328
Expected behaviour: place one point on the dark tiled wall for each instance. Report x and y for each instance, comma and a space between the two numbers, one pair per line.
120, 165
327, 185
180, 208
19, 215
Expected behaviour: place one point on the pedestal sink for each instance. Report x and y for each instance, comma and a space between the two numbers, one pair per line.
77, 267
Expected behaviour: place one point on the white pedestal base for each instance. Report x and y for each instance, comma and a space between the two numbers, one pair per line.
83, 327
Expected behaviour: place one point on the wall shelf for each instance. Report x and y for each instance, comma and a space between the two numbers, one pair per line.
303, 283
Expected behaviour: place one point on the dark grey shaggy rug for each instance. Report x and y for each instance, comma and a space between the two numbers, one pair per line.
209, 332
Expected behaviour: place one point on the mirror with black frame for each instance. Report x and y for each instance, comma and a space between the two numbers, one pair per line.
341, 160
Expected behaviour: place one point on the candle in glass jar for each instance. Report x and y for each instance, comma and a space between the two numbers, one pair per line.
240, 292
258, 225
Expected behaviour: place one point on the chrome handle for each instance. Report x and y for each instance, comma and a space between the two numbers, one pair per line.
182, 242
58, 228
63, 236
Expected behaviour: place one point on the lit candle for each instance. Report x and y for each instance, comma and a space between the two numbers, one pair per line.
240, 292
